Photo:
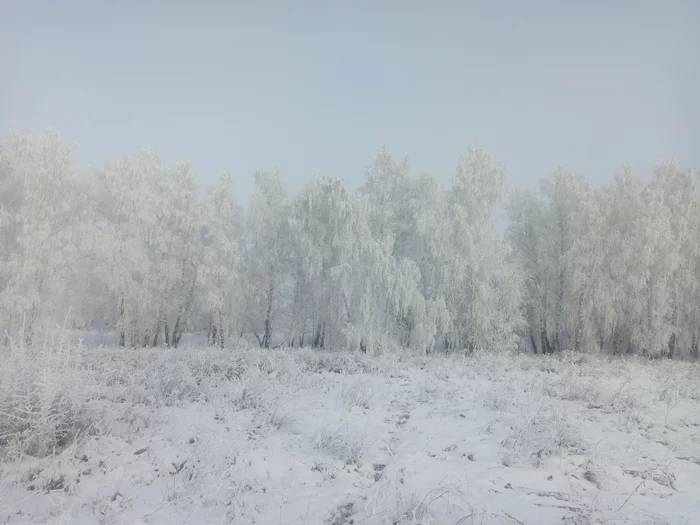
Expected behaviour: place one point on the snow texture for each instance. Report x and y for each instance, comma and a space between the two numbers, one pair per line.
200, 435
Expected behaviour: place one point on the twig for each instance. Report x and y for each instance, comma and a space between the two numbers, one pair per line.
465, 518
514, 519
13, 416
149, 514
631, 494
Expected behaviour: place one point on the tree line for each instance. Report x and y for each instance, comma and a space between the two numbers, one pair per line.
137, 248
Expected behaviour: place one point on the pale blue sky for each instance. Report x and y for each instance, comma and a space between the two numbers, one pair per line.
588, 85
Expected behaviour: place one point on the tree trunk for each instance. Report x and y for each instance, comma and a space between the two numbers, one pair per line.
176, 330
221, 330
533, 342
673, 341
578, 336
545, 345
672, 346
544, 341
122, 335
155, 337
617, 342
29, 333
267, 334
184, 308
320, 335
166, 331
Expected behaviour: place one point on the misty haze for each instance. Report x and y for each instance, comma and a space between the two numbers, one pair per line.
304, 264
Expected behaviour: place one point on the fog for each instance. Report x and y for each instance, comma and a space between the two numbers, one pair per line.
335, 265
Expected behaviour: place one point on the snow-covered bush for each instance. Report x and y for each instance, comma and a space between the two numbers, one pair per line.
45, 400
347, 443
542, 431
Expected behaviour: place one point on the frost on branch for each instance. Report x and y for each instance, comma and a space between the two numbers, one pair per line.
135, 249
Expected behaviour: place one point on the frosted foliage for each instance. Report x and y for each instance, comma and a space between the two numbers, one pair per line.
135, 250
483, 286
149, 249
392, 199
37, 189
326, 241
613, 269
220, 275
268, 245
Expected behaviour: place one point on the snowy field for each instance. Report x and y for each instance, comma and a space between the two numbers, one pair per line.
200, 435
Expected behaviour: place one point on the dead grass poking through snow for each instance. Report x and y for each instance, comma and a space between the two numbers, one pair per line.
359, 393
346, 444
45, 401
199, 435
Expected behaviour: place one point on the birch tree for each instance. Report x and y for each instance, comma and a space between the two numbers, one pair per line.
268, 251
677, 189
482, 285
118, 239
40, 202
324, 215
180, 223
395, 202
220, 274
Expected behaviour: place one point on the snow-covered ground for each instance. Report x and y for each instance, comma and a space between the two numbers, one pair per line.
200, 435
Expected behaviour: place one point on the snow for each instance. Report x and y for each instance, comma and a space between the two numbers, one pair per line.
294, 436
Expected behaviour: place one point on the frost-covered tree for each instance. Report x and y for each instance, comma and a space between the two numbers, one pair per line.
180, 227
526, 236
149, 219
40, 202
323, 215
267, 255
220, 274
457, 280
566, 196
388, 191
122, 192
639, 265
611, 269
403, 261
378, 289
481, 285
395, 203
678, 191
